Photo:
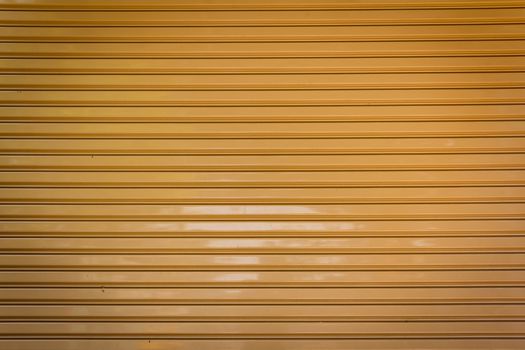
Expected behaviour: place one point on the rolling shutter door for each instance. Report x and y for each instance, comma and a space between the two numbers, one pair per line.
226, 175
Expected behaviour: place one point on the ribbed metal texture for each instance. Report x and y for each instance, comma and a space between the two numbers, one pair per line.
266, 174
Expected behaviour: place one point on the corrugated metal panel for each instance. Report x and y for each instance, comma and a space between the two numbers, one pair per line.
307, 174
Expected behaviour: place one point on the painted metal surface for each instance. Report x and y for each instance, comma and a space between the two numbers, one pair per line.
307, 174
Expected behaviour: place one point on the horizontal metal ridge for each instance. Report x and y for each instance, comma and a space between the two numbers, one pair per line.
263, 98
316, 34
265, 195
284, 268
267, 228
338, 17
254, 131
263, 103
280, 260
261, 66
265, 336
269, 147
264, 114
323, 179
357, 81
294, 218
260, 212
263, 50
247, 235
244, 87
169, 284
164, 5
260, 55
311, 344
275, 246
274, 296
377, 313
268, 103
111, 303
261, 163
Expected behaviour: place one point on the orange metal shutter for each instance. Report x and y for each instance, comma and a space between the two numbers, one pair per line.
266, 174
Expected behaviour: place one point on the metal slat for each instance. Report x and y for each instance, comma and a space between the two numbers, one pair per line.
358, 211
279, 261
324, 179
308, 344
264, 34
261, 66
262, 162
498, 194
155, 227
263, 98
261, 312
331, 330
265, 245
253, 131
262, 296
266, 50
268, 147
263, 113
190, 18
264, 82
210, 5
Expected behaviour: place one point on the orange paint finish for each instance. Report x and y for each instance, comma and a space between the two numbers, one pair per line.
306, 174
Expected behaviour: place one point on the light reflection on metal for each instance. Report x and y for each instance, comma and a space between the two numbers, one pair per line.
218, 175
